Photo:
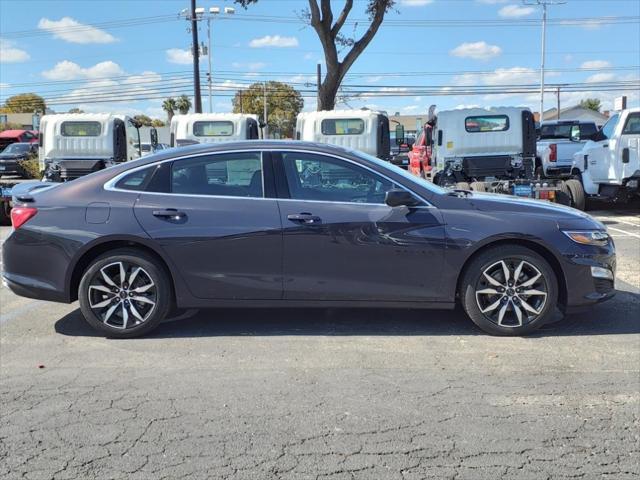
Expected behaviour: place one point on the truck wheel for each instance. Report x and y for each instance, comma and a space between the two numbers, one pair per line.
509, 290
463, 186
478, 187
577, 194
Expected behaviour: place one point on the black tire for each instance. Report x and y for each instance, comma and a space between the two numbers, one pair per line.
578, 197
508, 323
478, 187
463, 186
539, 173
117, 324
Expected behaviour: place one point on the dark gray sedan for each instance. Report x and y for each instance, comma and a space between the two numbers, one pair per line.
297, 224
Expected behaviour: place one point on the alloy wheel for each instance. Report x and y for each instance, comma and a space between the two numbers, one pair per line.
511, 293
122, 295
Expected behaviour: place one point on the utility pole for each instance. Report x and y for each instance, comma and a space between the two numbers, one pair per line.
558, 107
197, 101
209, 55
318, 82
265, 130
543, 4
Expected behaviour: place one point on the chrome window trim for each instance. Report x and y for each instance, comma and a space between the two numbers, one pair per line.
110, 185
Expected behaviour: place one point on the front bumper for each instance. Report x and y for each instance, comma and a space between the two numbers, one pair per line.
8, 166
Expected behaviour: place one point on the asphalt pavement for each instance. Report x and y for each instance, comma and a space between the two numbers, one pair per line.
325, 394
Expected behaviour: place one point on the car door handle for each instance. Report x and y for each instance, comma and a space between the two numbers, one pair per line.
305, 218
169, 213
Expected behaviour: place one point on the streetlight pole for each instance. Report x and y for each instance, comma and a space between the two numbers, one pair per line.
543, 4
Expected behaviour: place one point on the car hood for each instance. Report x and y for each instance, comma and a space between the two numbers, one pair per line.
565, 217
11, 156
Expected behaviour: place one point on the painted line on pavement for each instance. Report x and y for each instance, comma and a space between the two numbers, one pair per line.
625, 232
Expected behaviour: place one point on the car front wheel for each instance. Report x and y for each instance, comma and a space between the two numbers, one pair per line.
509, 290
125, 293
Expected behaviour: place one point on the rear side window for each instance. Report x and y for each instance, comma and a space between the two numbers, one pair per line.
486, 123
237, 174
80, 129
136, 181
632, 127
213, 129
342, 126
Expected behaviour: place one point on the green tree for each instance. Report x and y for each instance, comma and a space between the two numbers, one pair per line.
75, 110
283, 105
156, 122
10, 126
143, 120
169, 106
25, 103
183, 104
591, 104
320, 17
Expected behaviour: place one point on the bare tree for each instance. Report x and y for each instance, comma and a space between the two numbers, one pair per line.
321, 18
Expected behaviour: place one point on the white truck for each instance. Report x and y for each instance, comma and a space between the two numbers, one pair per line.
609, 164
212, 128
76, 144
364, 130
490, 150
558, 142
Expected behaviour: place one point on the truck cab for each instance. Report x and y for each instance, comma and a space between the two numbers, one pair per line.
213, 128
609, 163
364, 130
557, 144
76, 144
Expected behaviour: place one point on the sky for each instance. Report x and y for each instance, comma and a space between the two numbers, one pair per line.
137, 53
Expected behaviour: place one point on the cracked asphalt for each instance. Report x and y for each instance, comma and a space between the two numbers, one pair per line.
325, 394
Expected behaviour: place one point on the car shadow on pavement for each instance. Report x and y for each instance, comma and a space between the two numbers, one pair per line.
617, 317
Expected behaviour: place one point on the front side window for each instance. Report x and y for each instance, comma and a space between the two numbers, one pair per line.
229, 175
610, 126
342, 126
487, 123
80, 129
320, 178
632, 127
213, 129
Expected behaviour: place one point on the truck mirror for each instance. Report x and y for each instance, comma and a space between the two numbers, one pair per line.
154, 137
399, 134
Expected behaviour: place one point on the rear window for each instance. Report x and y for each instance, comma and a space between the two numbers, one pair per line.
487, 123
80, 129
553, 132
137, 180
342, 126
216, 128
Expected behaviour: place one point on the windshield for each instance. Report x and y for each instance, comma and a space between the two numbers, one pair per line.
17, 148
555, 131
389, 166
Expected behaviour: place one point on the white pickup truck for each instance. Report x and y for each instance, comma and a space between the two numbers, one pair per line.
557, 144
609, 164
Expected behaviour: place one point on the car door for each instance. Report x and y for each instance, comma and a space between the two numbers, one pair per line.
212, 216
342, 242
601, 155
627, 165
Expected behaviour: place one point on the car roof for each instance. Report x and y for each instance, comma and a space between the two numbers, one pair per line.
12, 133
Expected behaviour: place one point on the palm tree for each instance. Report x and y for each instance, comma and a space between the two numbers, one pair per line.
169, 106
183, 104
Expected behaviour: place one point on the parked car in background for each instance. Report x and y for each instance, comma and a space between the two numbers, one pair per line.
264, 224
8, 137
13, 154
557, 144
609, 163
421, 152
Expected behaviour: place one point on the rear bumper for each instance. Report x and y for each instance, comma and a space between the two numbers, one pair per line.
558, 171
31, 288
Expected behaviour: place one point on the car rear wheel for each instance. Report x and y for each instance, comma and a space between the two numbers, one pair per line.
509, 290
125, 293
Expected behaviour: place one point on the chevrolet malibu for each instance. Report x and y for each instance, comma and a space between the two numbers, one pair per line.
279, 224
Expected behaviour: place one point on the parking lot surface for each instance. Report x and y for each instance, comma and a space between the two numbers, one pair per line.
315, 394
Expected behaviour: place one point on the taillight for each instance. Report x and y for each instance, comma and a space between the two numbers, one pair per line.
21, 215
553, 155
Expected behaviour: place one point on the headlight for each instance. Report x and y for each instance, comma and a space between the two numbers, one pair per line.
588, 237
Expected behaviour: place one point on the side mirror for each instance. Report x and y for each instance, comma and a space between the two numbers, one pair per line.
399, 134
154, 137
399, 198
